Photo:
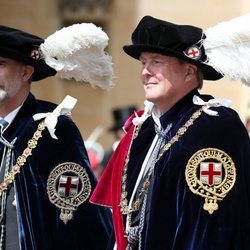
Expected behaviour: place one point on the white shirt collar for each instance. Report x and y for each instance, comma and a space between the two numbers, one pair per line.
10, 117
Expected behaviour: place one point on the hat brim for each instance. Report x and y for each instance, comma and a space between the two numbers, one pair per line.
41, 69
135, 51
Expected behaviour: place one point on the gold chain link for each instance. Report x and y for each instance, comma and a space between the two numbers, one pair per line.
32, 143
124, 207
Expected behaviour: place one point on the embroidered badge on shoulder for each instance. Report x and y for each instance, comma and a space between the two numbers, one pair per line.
68, 186
210, 173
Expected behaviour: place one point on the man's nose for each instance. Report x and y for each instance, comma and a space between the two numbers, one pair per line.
146, 70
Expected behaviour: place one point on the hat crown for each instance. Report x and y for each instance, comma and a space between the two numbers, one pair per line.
159, 33
17, 39
19, 45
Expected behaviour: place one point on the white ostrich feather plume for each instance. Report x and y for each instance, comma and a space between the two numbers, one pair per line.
227, 46
78, 52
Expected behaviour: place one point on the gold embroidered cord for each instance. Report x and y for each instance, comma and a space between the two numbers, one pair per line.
32, 143
124, 207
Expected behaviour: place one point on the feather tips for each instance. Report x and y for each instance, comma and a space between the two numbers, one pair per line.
77, 52
227, 46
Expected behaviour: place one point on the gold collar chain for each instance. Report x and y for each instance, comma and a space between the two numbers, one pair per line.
124, 207
32, 143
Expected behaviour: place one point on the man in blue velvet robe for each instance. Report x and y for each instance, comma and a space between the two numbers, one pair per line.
45, 177
180, 178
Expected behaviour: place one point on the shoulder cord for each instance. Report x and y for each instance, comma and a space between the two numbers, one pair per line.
7, 162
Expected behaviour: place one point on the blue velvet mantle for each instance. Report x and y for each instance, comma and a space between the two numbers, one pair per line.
176, 219
38, 219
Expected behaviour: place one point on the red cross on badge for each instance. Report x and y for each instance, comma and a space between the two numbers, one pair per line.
193, 52
35, 54
211, 173
68, 186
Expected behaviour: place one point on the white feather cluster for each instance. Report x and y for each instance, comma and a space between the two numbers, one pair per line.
227, 46
77, 52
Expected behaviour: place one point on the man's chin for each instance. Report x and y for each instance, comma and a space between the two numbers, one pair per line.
150, 98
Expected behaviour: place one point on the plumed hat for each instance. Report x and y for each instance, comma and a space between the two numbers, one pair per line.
75, 52
221, 50
181, 41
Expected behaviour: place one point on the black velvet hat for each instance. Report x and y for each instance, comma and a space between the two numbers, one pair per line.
181, 41
24, 47
120, 116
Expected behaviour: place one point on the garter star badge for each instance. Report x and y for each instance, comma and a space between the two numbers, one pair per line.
211, 174
68, 186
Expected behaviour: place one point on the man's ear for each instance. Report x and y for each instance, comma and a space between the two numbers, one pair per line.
28, 71
191, 71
